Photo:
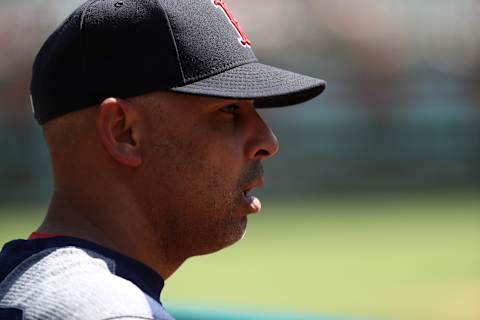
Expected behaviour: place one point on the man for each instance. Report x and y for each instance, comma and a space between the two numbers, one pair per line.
148, 110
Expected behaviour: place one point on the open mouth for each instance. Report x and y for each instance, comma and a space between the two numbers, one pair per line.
253, 203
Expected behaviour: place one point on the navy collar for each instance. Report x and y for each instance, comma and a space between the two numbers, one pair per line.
16, 251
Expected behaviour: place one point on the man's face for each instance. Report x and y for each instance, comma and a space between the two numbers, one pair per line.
201, 157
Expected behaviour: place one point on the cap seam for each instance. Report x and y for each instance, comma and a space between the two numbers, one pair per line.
220, 69
84, 13
174, 41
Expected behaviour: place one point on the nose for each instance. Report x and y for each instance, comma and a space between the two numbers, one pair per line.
263, 143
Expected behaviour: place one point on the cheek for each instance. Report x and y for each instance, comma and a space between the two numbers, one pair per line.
195, 169
195, 187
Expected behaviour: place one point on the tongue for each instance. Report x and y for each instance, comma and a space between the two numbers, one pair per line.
254, 203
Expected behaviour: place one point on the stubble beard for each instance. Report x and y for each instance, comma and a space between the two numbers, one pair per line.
227, 225
236, 223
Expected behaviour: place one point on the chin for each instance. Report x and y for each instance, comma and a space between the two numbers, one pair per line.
225, 238
238, 234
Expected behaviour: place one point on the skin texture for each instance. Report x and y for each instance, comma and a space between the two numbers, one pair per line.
158, 177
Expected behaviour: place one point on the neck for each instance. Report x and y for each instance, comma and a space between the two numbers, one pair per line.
115, 222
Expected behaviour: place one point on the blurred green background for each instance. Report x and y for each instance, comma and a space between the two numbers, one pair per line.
371, 207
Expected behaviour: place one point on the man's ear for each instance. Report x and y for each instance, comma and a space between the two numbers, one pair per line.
117, 126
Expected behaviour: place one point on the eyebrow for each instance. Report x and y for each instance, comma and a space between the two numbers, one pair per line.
222, 103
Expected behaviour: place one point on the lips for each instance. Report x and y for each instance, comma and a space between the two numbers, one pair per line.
252, 203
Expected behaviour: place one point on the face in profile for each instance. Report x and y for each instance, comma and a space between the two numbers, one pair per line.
202, 156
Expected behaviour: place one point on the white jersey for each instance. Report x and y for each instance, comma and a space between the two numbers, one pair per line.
67, 278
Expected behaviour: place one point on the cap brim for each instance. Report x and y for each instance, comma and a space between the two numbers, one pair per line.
269, 86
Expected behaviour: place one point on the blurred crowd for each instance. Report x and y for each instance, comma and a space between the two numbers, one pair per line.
402, 76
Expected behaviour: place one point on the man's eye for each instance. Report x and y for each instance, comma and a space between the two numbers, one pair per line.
233, 108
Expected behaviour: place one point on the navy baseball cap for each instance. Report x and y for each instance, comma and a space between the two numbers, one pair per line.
124, 48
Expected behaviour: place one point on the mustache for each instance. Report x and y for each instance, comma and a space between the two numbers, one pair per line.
252, 172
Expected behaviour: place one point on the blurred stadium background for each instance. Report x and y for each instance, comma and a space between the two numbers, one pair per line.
372, 207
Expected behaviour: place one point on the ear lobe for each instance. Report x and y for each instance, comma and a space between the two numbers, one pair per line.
117, 126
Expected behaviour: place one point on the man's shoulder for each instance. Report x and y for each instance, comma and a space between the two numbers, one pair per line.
74, 283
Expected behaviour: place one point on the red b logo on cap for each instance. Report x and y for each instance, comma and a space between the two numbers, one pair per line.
243, 37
